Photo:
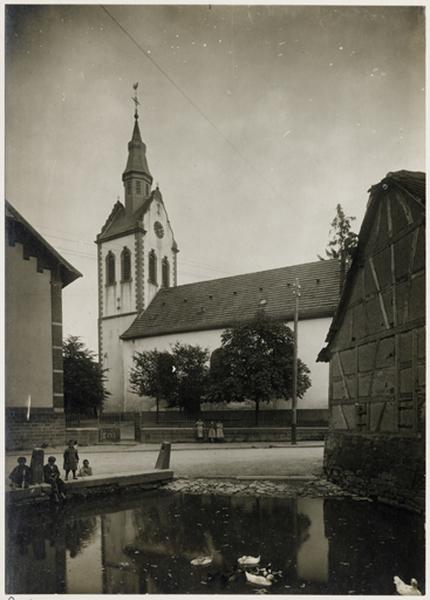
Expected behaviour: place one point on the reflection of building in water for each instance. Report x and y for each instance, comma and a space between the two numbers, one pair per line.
118, 532
326, 546
84, 561
35, 556
312, 554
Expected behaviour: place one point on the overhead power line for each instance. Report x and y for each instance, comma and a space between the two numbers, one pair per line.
252, 167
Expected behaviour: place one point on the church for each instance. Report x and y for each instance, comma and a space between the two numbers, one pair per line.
142, 307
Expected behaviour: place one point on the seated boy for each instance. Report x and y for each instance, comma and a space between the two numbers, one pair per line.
52, 475
21, 474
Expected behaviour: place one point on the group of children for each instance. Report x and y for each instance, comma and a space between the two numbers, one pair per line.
214, 431
22, 476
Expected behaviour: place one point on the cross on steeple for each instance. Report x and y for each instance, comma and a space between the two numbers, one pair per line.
135, 100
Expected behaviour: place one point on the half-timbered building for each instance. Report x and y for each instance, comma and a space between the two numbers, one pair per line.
376, 350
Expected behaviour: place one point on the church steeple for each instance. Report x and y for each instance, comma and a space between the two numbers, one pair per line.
136, 177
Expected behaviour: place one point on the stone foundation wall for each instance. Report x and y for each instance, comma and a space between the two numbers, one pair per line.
389, 468
230, 418
44, 427
242, 434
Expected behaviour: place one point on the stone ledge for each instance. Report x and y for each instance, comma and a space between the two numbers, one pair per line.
120, 480
98, 484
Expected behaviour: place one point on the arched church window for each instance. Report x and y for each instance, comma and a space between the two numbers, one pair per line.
129, 186
110, 268
165, 272
125, 265
152, 267
138, 187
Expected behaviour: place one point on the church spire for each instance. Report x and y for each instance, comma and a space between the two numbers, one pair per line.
136, 177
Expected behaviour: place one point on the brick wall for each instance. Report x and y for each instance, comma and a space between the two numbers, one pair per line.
44, 427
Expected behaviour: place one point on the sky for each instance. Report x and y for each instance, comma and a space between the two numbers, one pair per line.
258, 121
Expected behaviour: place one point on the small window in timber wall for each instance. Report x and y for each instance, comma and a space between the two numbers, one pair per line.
126, 265
110, 268
138, 187
152, 267
165, 272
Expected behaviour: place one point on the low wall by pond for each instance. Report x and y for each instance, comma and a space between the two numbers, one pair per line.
97, 485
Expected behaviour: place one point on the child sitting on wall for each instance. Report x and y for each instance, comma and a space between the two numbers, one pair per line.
21, 474
85, 470
52, 475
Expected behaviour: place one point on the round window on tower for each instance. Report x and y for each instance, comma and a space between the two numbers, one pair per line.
159, 229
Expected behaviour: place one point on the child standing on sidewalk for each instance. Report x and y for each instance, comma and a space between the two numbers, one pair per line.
71, 459
211, 432
200, 430
219, 431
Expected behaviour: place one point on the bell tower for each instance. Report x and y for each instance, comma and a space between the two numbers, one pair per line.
136, 178
136, 257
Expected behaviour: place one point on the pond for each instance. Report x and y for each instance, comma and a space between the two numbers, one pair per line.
145, 545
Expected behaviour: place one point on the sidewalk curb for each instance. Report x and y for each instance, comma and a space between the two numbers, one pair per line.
99, 449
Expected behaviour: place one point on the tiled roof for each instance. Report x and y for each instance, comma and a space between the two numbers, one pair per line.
119, 221
220, 303
68, 271
412, 183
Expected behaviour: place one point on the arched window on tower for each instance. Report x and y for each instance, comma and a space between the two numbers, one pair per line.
152, 267
125, 265
110, 268
165, 272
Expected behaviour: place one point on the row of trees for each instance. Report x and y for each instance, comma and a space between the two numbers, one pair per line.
254, 362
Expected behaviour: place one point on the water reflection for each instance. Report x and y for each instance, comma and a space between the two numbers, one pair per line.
145, 545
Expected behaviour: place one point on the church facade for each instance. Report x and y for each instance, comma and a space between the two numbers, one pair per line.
136, 255
141, 307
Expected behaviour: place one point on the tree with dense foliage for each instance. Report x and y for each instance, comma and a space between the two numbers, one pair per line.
343, 242
191, 371
153, 375
255, 362
84, 379
179, 376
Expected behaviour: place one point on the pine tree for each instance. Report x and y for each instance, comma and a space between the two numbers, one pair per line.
342, 244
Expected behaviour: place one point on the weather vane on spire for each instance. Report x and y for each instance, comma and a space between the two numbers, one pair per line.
135, 100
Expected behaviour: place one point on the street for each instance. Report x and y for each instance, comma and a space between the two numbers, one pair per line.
195, 461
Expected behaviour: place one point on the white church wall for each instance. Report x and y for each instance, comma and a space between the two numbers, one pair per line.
311, 338
112, 348
162, 246
119, 297
312, 333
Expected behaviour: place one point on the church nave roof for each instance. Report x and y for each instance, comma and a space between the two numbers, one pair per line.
220, 303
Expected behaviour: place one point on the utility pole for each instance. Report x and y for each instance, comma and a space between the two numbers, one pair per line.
296, 294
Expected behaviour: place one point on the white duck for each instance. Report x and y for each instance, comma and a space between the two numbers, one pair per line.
259, 579
249, 560
201, 561
406, 590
